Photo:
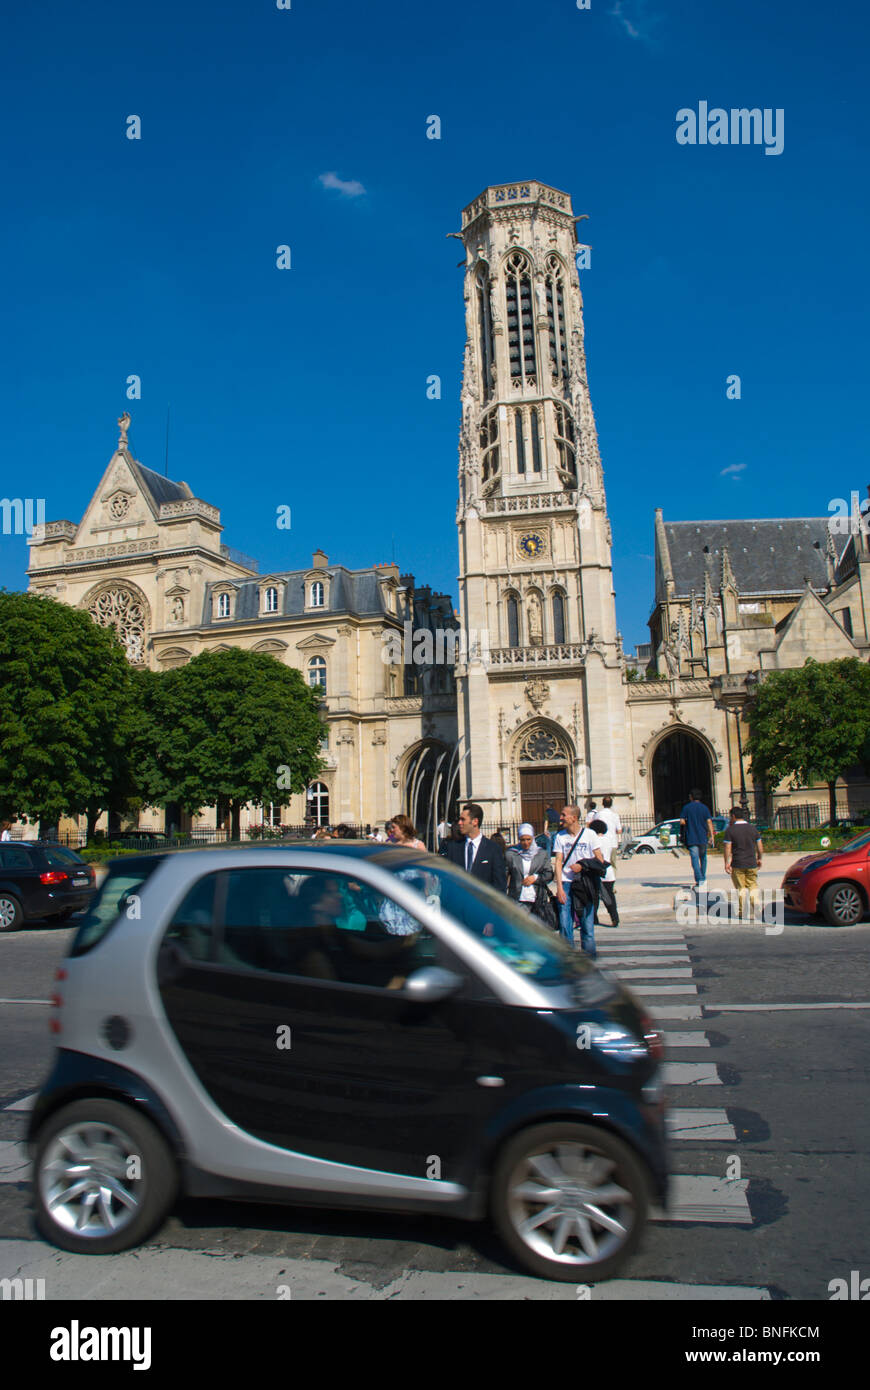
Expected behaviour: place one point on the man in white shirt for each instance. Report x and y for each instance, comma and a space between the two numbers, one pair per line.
573, 844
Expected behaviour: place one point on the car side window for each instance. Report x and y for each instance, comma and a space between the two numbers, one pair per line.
13, 857
193, 924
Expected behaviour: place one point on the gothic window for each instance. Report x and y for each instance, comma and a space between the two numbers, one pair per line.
558, 619
317, 594
489, 445
271, 600
521, 446
558, 344
540, 746
317, 673
484, 316
536, 442
565, 439
223, 608
121, 609
520, 317
513, 621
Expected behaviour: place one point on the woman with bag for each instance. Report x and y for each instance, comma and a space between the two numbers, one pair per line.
529, 872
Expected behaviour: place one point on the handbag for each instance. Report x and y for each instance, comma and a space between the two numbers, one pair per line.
543, 908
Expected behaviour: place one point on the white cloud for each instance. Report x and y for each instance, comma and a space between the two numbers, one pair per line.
733, 468
348, 188
635, 19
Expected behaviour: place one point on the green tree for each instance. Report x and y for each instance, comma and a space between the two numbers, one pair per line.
230, 727
66, 710
811, 724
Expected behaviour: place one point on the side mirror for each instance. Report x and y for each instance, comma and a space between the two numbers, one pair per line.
431, 983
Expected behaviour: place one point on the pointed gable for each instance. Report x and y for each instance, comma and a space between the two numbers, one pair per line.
811, 630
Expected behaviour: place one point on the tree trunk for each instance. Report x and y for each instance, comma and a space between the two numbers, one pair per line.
235, 820
93, 817
832, 801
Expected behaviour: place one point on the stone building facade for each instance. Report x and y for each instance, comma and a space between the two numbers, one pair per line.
539, 706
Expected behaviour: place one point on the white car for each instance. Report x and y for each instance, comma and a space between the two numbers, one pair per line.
664, 836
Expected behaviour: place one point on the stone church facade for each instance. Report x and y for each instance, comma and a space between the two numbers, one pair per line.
537, 707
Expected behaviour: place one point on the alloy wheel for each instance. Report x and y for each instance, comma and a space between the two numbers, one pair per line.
84, 1183
846, 905
9, 912
567, 1203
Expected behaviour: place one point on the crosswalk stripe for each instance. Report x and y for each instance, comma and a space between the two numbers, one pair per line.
614, 958
25, 1103
666, 989
686, 1039
698, 1123
691, 1074
645, 972
684, 1012
617, 1290
702, 1198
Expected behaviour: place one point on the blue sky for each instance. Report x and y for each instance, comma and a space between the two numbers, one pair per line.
307, 387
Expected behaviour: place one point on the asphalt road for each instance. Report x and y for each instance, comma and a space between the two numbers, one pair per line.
771, 1141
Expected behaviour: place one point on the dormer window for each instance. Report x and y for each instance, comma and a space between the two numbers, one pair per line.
316, 598
271, 604
223, 606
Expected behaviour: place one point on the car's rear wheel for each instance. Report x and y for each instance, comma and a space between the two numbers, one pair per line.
570, 1201
104, 1178
842, 905
644, 849
11, 912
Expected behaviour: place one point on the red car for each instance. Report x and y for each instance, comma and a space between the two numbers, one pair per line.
835, 882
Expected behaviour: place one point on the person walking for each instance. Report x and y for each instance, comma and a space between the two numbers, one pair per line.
529, 872
697, 821
743, 856
574, 843
400, 831
476, 853
607, 885
5, 830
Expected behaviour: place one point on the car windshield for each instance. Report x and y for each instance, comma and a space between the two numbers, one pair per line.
125, 876
858, 843
495, 919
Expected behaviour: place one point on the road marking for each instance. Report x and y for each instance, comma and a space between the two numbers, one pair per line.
690, 1074
25, 1001
647, 907
765, 1008
697, 1198
25, 1103
616, 958
686, 1040
666, 989
14, 1163
699, 1124
683, 1012
644, 973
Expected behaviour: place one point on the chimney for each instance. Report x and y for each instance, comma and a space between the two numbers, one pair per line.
319, 560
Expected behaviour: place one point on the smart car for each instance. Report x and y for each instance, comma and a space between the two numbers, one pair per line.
346, 1025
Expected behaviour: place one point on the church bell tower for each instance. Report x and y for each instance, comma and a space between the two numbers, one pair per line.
541, 702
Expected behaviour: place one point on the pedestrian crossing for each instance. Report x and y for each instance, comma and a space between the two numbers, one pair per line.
652, 960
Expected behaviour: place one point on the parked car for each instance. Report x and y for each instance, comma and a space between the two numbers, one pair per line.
41, 880
664, 836
347, 1025
139, 839
833, 883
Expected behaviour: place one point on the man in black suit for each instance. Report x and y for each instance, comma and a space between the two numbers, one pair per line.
481, 856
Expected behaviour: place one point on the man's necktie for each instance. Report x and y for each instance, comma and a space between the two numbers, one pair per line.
469, 855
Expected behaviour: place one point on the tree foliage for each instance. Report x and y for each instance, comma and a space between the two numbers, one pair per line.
231, 726
811, 724
66, 711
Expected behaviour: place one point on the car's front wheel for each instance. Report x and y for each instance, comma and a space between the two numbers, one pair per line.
842, 905
644, 849
103, 1179
11, 914
570, 1201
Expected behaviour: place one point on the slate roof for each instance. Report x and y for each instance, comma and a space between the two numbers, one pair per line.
767, 556
350, 591
161, 489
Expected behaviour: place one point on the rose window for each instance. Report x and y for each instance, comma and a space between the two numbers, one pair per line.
540, 747
122, 610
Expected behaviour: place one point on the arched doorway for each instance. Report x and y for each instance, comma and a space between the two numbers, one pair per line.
680, 762
430, 788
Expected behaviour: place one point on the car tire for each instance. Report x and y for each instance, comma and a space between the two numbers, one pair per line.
644, 849
11, 912
587, 1158
842, 905
107, 1134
